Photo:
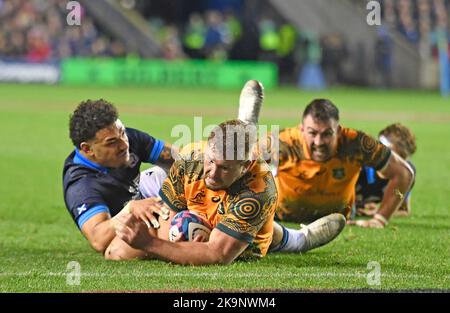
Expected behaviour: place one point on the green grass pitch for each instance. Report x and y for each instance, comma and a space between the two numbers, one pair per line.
38, 238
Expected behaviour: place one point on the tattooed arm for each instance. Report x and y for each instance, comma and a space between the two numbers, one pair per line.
168, 154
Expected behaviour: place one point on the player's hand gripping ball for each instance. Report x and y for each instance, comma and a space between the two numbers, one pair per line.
189, 225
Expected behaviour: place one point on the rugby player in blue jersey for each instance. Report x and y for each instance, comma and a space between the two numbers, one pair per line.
370, 187
101, 175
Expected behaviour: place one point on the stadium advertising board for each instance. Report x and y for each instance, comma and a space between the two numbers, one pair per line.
116, 72
23, 72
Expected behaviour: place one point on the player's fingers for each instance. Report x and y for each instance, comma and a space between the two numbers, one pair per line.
121, 224
371, 206
146, 220
366, 212
121, 235
371, 209
364, 224
124, 233
374, 223
122, 218
118, 226
163, 213
199, 238
165, 208
156, 207
151, 218
163, 205
361, 212
359, 223
130, 218
157, 204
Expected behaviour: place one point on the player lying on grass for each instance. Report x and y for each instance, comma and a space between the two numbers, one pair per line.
230, 189
370, 186
319, 164
101, 175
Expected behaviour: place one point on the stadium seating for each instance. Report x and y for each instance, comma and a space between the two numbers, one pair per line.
34, 31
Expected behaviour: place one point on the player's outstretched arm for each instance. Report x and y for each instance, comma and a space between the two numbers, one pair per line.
401, 178
220, 249
99, 229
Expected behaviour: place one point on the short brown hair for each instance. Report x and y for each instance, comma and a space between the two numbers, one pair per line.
233, 140
321, 110
402, 138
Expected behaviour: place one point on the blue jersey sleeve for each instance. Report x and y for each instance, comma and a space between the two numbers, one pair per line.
84, 202
147, 148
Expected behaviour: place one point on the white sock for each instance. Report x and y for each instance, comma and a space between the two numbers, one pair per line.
293, 241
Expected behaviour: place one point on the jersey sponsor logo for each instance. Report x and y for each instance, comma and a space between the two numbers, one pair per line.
199, 197
339, 173
82, 208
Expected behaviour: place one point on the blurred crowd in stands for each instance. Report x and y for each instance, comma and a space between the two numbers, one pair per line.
36, 31
424, 23
416, 19
219, 36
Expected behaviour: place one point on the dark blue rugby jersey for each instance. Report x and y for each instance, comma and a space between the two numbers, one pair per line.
370, 187
90, 189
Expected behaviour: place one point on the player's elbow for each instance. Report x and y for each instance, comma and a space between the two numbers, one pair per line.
98, 243
222, 258
215, 257
224, 251
99, 246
